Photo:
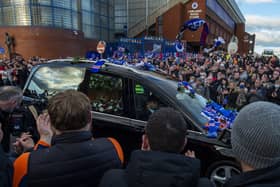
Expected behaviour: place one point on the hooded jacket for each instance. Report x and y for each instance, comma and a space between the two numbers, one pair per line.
267, 177
156, 169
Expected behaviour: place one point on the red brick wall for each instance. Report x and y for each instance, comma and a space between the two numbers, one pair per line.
175, 17
240, 33
47, 42
217, 28
172, 21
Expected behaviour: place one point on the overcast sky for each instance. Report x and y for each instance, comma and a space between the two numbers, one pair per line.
263, 19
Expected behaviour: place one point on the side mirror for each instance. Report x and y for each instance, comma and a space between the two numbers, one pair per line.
225, 136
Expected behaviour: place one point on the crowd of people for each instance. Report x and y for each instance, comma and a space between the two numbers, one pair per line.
232, 81
15, 71
67, 154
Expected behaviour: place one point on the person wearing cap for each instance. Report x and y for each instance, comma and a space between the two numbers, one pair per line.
255, 144
159, 162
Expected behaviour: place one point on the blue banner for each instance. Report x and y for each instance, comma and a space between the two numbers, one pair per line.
194, 25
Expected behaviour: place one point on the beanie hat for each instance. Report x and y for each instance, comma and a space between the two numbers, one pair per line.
255, 135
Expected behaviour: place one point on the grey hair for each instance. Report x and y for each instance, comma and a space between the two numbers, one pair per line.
10, 92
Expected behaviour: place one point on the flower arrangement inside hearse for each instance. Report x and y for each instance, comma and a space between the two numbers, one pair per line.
107, 106
110, 100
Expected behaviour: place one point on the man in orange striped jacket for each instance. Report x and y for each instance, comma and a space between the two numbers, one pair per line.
72, 157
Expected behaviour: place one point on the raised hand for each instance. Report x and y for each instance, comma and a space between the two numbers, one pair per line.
44, 127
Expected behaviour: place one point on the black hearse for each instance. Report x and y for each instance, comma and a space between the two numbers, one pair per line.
120, 95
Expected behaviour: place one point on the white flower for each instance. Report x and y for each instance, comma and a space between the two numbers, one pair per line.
109, 108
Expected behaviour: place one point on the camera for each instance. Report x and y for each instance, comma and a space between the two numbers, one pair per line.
16, 124
225, 136
22, 120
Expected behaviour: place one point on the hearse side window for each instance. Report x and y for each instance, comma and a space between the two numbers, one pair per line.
105, 93
146, 102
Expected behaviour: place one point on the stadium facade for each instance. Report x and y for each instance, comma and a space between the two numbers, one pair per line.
60, 28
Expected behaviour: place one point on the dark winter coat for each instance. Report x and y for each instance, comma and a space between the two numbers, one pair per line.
6, 170
268, 177
156, 169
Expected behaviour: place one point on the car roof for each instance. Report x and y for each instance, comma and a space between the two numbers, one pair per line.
89, 63
128, 71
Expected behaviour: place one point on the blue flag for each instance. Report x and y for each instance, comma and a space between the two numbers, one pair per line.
204, 34
194, 25
188, 87
219, 41
118, 62
92, 55
97, 66
150, 67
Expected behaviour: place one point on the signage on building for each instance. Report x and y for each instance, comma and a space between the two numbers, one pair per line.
101, 46
195, 11
194, 5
